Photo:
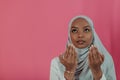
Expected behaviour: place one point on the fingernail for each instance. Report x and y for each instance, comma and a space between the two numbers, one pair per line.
90, 48
92, 45
72, 45
68, 44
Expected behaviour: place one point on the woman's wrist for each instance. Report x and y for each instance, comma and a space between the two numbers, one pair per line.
69, 75
98, 75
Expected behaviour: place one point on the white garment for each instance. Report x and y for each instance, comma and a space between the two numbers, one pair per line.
57, 71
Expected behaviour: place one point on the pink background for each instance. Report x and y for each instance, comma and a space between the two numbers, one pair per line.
32, 32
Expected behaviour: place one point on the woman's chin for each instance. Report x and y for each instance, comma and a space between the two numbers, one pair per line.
80, 46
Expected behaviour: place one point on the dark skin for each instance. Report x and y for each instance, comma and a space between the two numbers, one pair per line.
81, 37
69, 61
95, 60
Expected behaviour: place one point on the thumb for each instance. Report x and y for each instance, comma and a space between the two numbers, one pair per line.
102, 56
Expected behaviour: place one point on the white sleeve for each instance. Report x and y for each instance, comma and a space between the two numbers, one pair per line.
109, 72
53, 71
103, 77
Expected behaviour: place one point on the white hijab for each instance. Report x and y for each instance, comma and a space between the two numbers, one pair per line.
83, 53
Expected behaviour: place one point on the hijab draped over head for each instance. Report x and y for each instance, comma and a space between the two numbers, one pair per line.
83, 53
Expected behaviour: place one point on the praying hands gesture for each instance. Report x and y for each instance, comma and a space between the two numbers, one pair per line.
95, 60
69, 60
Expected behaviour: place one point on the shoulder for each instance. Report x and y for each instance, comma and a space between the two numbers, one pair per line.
55, 60
108, 61
108, 58
55, 63
57, 69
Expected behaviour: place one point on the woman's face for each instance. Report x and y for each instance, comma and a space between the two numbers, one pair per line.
81, 33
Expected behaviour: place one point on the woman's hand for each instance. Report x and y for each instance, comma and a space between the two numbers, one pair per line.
95, 60
69, 60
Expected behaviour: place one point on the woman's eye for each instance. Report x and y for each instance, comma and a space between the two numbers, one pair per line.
86, 30
74, 31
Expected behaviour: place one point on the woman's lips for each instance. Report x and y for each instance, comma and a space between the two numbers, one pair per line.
80, 42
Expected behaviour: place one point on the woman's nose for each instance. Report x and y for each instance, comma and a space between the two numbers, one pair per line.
80, 34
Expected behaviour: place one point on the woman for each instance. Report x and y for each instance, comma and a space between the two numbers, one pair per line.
85, 57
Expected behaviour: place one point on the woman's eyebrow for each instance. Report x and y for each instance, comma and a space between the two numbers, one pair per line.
74, 27
87, 26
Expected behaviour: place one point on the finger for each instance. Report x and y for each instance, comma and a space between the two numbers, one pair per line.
93, 55
68, 45
102, 57
95, 52
90, 57
89, 54
61, 58
91, 48
72, 53
69, 51
75, 55
66, 53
